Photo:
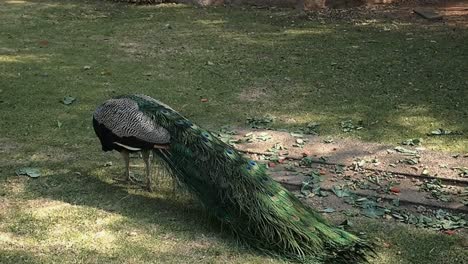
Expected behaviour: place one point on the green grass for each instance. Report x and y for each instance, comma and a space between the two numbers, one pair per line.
401, 79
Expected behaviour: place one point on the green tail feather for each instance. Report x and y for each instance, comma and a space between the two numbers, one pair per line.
239, 192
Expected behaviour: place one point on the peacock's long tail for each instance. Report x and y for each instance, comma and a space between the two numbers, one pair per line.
241, 195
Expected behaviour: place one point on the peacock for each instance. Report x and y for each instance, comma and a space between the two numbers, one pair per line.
234, 189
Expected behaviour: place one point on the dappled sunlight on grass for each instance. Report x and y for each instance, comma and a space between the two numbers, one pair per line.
167, 6
294, 118
211, 22
7, 237
420, 120
27, 58
53, 221
40, 4
387, 26
17, 2
244, 38
308, 31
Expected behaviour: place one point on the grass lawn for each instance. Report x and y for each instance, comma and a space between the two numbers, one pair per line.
402, 80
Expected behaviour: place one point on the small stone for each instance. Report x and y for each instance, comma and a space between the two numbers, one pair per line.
132, 233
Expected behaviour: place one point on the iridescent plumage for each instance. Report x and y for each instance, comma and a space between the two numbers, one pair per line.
239, 192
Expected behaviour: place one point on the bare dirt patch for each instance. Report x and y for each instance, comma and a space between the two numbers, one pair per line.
413, 175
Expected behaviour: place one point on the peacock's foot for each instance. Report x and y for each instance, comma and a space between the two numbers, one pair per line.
127, 178
149, 187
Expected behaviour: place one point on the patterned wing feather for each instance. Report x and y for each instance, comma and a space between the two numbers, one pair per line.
123, 117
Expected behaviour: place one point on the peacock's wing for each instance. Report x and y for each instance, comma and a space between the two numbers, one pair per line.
123, 118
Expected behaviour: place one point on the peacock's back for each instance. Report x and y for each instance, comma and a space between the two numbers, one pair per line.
120, 123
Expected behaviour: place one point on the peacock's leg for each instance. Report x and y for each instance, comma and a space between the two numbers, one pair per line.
126, 175
126, 158
146, 158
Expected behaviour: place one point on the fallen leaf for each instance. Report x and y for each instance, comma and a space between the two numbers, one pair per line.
340, 191
68, 100
348, 126
405, 151
412, 142
440, 132
298, 135
43, 43
260, 122
395, 190
346, 223
373, 212
328, 210
444, 132
31, 172
449, 232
